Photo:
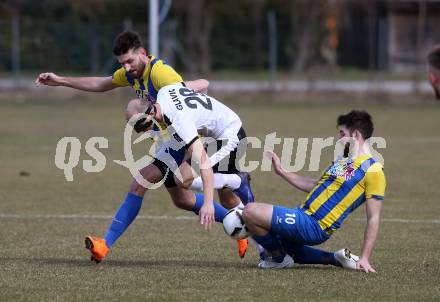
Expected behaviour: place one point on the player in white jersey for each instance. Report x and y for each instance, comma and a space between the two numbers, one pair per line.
188, 115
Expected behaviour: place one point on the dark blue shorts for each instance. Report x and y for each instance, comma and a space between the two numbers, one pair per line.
294, 227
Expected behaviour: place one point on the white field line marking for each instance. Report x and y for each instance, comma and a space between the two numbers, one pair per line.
405, 220
86, 216
165, 217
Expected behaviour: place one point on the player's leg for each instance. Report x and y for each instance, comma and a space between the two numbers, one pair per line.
235, 190
227, 173
125, 215
241, 193
259, 219
304, 254
229, 200
295, 231
221, 180
238, 183
187, 200
186, 179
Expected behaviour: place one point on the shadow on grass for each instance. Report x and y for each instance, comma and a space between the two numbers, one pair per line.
127, 263
153, 263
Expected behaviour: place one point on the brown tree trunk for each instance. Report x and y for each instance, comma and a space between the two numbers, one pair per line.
198, 30
304, 15
257, 7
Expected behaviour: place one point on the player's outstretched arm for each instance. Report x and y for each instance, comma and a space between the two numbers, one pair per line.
93, 84
200, 85
373, 207
302, 183
206, 214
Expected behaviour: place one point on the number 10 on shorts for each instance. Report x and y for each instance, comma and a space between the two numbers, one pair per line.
290, 218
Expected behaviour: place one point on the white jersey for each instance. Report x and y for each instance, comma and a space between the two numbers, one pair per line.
191, 113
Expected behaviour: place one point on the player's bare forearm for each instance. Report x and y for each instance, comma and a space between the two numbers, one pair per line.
206, 173
200, 85
206, 214
373, 208
92, 84
302, 183
370, 236
208, 185
207, 210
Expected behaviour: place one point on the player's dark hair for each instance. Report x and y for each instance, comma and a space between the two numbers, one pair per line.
434, 56
125, 41
357, 120
141, 125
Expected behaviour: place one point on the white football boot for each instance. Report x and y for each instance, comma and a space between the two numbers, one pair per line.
269, 263
346, 258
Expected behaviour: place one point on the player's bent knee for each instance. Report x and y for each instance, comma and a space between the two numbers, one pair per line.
136, 188
185, 183
249, 212
258, 214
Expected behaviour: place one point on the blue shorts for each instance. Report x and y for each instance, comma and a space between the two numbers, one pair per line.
294, 227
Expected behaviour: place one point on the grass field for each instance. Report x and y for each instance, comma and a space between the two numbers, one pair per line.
166, 255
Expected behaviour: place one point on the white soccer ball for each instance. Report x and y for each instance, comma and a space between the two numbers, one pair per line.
233, 224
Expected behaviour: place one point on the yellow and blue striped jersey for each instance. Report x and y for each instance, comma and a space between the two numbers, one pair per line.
344, 186
157, 74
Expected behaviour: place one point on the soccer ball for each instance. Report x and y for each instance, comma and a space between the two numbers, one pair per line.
233, 224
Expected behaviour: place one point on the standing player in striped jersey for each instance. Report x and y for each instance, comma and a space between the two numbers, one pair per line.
350, 181
187, 115
146, 74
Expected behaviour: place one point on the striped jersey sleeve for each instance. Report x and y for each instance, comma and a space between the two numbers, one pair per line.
119, 78
375, 182
163, 75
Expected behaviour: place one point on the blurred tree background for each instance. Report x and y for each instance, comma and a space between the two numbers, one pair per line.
199, 37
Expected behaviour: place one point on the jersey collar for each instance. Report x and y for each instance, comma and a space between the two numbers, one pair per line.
147, 68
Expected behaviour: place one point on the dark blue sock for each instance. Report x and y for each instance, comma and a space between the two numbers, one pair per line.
272, 245
219, 214
125, 215
307, 255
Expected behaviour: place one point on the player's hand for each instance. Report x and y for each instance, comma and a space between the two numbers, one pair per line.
47, 78
206, 216
364, 264
276, 162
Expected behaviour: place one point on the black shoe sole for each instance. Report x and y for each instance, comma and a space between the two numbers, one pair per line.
89, 246
89, 243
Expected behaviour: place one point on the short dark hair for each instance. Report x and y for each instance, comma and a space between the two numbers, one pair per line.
357, 120
125, 41
434, 56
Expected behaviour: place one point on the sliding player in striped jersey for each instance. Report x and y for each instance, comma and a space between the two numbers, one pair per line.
351, 180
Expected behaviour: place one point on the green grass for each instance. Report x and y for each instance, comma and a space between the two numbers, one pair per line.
176, 260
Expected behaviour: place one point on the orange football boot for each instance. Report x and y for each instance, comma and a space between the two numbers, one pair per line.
242, 247
97, 247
